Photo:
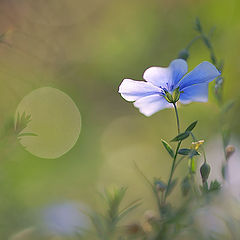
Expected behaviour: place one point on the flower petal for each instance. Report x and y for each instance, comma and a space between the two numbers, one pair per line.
158, 76
178, 68
132, 90
195, 93
166, 77
151, 104
205, 72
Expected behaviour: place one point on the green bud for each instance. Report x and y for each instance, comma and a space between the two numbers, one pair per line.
168, 97
183, 54
205, 171
176, 95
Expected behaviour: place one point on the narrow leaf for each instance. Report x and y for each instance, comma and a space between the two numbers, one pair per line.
181, 137
187, 151
215, 186
184, 151
168, 148
27, 134
191, 126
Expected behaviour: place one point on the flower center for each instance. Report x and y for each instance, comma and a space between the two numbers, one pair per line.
171, 96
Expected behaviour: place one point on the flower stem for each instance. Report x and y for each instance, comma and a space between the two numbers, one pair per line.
193, 41
175, 155
176, 111
172, 169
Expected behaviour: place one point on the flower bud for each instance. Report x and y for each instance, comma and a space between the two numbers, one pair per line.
229, 150
205, 171
168, 97
176, 95
134, 228
183, 54
224, 170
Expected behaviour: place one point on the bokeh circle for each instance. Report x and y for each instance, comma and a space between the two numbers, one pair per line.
55, 122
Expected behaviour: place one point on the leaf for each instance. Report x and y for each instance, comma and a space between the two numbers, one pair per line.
171, 186
184, 151
198, 26
27, 134
98, 223
129, 208
193, 153
180, 137
214, 186
191, 126
187, 151
22, 122
168, 148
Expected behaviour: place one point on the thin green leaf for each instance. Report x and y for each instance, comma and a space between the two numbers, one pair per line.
187, 151
214, 186
168, 148
27, 134
191, 126
180, 137
129, 208
198, 26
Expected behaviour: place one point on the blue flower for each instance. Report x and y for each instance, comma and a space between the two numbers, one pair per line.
64, 219
150, 95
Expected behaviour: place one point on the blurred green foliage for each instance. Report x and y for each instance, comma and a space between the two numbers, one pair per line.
85, 48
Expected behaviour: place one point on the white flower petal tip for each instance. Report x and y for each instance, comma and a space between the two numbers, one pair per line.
132, 90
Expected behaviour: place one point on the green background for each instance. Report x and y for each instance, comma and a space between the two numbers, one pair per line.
85, 49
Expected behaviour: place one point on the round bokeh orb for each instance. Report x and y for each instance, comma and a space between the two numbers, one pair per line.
54, 126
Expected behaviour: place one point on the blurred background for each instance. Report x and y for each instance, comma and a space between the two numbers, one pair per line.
85, 49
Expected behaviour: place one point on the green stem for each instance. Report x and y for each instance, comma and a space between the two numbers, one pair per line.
176, 112
172, 169
193, 41
175, 155
152, 186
